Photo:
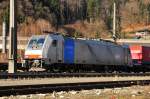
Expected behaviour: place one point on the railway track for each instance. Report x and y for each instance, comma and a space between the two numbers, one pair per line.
4, 75
31, 83
47, 88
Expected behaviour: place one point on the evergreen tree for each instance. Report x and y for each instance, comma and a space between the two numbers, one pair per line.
5, 18
91, 9
98, 8
148, 13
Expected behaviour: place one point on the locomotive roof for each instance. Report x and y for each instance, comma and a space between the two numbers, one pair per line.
86, 39
102, 40
89, 39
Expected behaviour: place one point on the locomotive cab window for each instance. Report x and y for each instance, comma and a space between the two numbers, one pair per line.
54, 43
36, 43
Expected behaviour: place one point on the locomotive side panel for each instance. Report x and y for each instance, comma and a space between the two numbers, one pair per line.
82, 53
98, 53
118, 55
101, 53
108, 54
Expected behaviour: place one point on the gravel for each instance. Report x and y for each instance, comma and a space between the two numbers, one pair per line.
134, 92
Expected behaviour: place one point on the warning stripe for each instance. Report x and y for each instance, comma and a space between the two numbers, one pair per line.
33, 56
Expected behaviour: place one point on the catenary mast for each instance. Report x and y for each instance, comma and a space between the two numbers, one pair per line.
114, 22
13, 37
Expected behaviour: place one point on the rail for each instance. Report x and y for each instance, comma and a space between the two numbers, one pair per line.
28, 75
84, 81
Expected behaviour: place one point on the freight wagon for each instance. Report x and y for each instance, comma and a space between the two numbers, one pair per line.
140, 55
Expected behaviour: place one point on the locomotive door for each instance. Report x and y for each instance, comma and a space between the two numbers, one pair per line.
54, 50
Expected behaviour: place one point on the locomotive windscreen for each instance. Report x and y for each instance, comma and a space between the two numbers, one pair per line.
36, 43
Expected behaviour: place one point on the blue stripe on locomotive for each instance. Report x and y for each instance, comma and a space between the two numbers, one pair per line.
69, 50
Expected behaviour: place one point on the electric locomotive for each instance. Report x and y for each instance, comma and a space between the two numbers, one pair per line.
55, 51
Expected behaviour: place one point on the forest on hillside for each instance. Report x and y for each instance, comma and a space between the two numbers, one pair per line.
82, 18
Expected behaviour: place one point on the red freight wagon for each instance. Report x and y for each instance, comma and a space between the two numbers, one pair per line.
140, 54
